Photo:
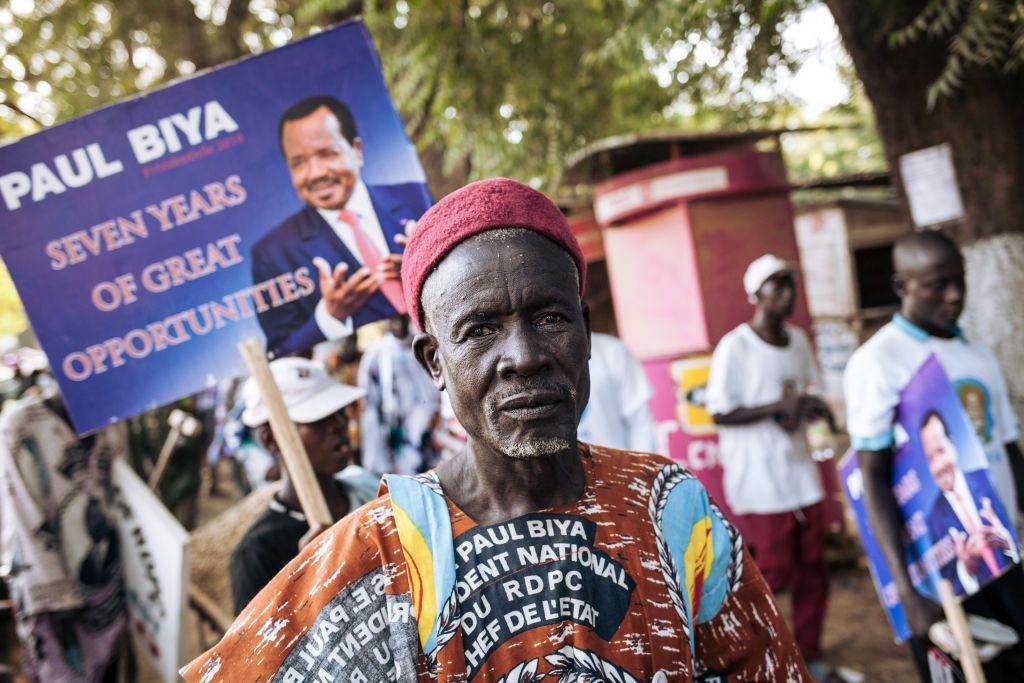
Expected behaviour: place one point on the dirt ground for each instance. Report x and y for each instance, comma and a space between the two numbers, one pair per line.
857, 634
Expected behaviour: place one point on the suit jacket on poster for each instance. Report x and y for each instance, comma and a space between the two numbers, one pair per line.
942, 517
292, 328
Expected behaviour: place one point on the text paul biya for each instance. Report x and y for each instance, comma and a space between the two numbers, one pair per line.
533, 571
148, 142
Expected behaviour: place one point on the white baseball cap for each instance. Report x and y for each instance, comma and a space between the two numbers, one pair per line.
761, 269
309, 393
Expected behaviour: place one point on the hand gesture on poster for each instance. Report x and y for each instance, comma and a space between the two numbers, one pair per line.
344, 297
998, 536
391, 267
969, 548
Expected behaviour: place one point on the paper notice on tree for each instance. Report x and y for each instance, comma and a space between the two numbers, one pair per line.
929, 180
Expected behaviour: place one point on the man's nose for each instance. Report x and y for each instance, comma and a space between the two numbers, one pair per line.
317, 168
522, 354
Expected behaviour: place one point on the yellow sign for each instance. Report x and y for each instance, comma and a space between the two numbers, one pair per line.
690, 376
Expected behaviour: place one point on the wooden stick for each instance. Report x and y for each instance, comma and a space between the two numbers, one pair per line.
969, 661
300, 471
165, 456
208, 608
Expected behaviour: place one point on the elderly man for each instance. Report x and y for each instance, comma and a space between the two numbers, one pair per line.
529, 555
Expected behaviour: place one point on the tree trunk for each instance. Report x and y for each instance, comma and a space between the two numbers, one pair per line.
984, 125
983, 122
995, 308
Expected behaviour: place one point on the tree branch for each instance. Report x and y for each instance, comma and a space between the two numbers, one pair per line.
21, 112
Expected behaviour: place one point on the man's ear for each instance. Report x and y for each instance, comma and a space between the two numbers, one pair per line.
899, 285
266, 437
586, 321
424, 347
357, 145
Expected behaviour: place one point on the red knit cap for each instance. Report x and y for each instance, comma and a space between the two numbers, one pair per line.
475, 208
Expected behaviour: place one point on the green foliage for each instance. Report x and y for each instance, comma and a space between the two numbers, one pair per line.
982, 33
515, 86
501, 86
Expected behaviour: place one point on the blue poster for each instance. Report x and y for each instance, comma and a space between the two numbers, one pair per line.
263, 198
955, 526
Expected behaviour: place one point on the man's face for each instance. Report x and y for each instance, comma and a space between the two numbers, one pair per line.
777, 295
323, 165
933, 296
509, 339
327, 442
941, 453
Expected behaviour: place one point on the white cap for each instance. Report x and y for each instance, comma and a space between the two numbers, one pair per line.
309, 393
761, 269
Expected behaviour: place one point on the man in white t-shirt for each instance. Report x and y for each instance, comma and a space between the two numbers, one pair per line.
930, 283
402, 405
758, 395
618, 415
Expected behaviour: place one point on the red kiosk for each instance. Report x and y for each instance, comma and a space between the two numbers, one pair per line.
682, 216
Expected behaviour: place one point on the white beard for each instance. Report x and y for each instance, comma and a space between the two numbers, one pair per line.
536, 448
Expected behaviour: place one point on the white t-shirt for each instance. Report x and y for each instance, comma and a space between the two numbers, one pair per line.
880, 369
766, 469
618, 415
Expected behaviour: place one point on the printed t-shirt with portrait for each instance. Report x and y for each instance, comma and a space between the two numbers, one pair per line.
640, 579
766, 469
880, 369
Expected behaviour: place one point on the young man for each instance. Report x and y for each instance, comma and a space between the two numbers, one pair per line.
59, 545
758, 395
402, 405
528, 555
323, 410
929, 279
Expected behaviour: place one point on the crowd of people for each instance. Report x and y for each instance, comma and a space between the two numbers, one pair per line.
501, 512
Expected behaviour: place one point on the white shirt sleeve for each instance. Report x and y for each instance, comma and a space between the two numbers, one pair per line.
643, 435
871, 403
636, 390
969, 582
726, 378
329, 325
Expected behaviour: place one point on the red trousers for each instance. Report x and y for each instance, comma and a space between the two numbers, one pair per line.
789, 549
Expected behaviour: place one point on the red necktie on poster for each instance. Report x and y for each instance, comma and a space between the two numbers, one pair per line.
370, 255
988, 554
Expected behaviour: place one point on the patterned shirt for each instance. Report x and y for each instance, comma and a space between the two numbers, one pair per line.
641, 579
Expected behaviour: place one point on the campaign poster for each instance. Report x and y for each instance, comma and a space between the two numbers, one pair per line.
954, 525
156, 574
149, 237
691, 378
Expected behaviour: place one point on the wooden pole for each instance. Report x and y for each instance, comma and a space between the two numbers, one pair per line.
165, 456
969, 661
181, 424
208, 608
300, 471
